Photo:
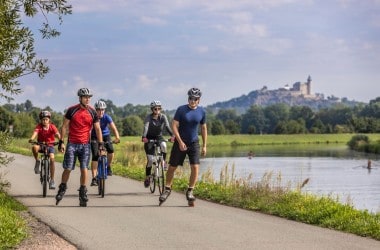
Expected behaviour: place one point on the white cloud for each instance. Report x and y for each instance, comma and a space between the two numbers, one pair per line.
152, 21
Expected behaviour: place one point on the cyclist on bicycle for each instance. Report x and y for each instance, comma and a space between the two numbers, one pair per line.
106, 123
45, 131
153, 127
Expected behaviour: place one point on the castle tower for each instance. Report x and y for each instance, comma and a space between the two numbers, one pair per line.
308, 84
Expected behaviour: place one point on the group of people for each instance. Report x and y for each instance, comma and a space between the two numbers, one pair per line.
88, 130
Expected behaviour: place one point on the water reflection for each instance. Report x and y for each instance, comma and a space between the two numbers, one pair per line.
332, 169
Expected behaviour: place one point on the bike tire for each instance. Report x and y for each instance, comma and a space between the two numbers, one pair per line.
45, 176
161, 177
152, 180
102, 175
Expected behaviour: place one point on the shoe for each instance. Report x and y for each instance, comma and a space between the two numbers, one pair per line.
165, 195
146, 182
109, 171
190, 195
51, 184
94, 182
37, 167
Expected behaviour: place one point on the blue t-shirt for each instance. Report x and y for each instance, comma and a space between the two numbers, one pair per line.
104, 122
189, 121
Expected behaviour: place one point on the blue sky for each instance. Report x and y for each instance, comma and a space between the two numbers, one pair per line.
139, 51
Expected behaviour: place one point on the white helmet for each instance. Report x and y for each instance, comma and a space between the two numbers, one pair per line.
155, 104
100, 105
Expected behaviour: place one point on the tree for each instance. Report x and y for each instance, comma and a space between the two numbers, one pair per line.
17, 56
132, 126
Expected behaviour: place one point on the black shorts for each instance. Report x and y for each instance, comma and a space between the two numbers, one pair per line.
95, 147
177, 157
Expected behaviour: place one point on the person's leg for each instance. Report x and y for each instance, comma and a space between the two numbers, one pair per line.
193, 175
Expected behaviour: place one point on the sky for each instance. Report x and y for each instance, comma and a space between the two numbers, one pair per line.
144, 50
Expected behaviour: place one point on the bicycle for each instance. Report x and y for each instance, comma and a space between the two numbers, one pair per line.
157, 178
102, 170
44, 164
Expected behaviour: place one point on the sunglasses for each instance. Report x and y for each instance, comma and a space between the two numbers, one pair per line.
157, 109
194, 99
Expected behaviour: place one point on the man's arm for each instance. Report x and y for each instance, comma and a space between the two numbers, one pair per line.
98, 132
204, 139
115, 132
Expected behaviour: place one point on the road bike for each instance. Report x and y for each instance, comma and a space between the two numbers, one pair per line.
157, 176
44, 164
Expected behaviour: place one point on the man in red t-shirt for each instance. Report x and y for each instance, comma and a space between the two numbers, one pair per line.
45, 132
77, 124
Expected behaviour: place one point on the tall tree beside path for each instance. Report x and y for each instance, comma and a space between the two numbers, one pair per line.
17, 55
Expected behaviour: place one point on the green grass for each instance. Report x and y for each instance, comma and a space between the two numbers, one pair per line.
269, 195
13, 228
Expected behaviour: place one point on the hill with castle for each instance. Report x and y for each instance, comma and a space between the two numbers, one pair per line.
299, 94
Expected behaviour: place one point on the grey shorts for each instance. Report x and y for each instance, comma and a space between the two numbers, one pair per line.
74, 152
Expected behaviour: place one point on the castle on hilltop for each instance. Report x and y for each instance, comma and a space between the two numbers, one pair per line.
301, 88
298, 89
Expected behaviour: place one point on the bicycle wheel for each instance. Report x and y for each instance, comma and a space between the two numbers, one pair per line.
102, 175
45, 176
160, 177
152, 179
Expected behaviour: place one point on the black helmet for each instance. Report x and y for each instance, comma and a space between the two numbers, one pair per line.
84, 92
194, 92
100, 105
44, 113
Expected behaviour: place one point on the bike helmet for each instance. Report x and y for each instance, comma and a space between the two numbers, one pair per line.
155, 104
84, 92
194, 92
44, 113
100, 105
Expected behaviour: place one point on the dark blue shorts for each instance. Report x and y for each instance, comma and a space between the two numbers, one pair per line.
177, 157
74, 152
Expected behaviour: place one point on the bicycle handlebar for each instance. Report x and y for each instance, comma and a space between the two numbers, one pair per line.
44, 143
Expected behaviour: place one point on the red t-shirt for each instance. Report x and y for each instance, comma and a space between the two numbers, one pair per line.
46, 135
81, 122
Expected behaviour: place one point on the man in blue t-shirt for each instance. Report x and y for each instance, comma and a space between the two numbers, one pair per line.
186, 122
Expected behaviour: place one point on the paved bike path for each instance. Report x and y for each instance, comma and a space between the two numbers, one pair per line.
128, 217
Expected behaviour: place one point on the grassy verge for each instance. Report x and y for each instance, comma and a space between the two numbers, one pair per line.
12, 227
268, 195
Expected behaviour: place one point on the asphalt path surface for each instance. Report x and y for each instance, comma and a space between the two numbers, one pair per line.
128, 217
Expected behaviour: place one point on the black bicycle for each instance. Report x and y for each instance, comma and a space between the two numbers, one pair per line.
44, 164
157, 176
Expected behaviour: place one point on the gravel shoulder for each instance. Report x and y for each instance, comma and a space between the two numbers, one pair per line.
41, 236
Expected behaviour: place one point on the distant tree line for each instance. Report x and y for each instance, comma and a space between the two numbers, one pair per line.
273, 119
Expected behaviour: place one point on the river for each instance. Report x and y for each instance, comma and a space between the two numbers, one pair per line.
332, 170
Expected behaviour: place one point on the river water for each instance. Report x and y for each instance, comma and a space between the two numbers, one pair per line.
332, 170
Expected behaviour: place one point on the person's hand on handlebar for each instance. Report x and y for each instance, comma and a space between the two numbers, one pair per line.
145, 140
30, 140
